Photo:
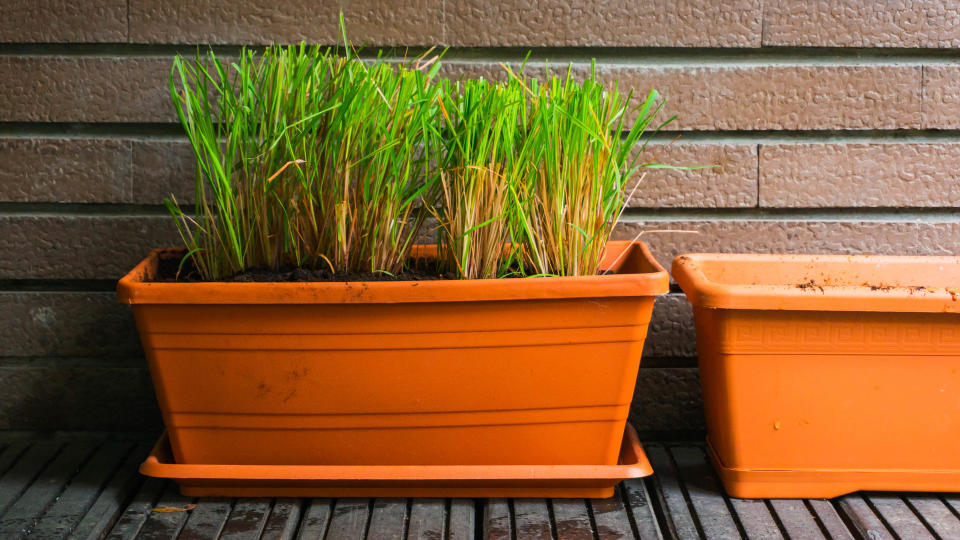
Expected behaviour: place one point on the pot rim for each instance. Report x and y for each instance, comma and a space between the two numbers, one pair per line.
636, 274
829, 287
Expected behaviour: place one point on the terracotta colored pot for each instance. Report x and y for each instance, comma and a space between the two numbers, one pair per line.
824, 375
485, 372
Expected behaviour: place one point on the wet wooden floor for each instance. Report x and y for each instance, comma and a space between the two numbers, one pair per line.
86, 486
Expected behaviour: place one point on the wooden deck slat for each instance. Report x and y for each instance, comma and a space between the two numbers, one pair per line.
679, 519
349, 520
283, 520
867, 524
497, 520
428, 519
110, 502
640, 506
21, 474
165, 525
10, 454
610, 517
755, 518
953, 501
134, 516
78, 487
796, 519
30, 506
829, 519
462, 519
247, 519
936, 514
899, 517
316, 519
572, 519
83, 490
206, 520
532, 519
706, 495
388, 519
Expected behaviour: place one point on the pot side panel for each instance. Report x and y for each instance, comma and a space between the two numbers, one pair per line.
519, 382
789, 390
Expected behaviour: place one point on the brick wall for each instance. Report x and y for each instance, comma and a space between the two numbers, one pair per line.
834, 124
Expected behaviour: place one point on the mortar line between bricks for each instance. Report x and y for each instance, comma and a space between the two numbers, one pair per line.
12, 210
172, 132
616, 55
847, 215
57, 285
28, 362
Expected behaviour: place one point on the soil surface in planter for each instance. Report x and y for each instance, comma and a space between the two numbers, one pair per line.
421, 269
170, 271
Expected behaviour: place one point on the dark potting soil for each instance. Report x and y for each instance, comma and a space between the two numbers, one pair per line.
170, 271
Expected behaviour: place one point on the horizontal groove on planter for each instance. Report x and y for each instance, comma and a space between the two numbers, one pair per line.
621, 55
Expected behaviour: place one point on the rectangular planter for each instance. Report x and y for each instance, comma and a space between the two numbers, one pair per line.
824, 375
480, 372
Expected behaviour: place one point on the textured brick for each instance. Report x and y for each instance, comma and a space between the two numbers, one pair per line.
942, 239
134, 89
52, 21
85, 89
862, 23
667, 400
757, 97
75, 324
850, 175
941, 97
782, 97
671, 333
162, 168
64, 170
731, 182
661, 23
375, 22
68, 395
79, 247
789, 236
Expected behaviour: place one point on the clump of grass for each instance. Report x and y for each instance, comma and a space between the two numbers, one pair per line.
372, 164
481, 128
309, 159
305, 159
242, 155
583, 144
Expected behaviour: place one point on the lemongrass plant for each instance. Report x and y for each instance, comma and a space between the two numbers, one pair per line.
373, 162
234, 119
305, 159
583, 143
481, 126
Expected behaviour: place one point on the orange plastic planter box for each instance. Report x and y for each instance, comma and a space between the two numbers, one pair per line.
824, 375
535, 371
